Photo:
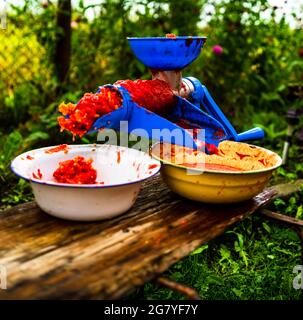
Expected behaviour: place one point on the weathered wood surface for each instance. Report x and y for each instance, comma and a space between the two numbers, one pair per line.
286, 189
281, 217
48, 258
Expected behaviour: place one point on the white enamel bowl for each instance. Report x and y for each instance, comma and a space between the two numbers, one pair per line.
120, 172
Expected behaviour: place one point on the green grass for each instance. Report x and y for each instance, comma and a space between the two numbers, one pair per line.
253, 260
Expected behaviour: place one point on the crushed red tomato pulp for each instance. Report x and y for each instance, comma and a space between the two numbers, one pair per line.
76, 171
118, 156
37, 175
79, 118
152, 166
155, 95
170, 36
61, 147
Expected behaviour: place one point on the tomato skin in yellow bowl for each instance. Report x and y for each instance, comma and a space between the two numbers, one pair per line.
210, 184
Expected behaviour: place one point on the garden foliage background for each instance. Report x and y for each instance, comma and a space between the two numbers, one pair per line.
255, 79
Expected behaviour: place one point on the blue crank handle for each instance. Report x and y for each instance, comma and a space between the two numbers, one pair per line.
202, 98
252, 134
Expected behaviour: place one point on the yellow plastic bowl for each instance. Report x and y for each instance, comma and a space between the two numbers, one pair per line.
212, 186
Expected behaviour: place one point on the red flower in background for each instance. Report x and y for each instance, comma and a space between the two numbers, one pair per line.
217, 50
300, 52
44, 4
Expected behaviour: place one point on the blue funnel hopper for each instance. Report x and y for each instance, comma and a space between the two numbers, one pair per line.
167, 53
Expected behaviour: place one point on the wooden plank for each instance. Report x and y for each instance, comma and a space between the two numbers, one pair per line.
48, 258
188, 292
286, 189
281, 217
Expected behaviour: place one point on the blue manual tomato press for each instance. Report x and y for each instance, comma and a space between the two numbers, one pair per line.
195, 107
